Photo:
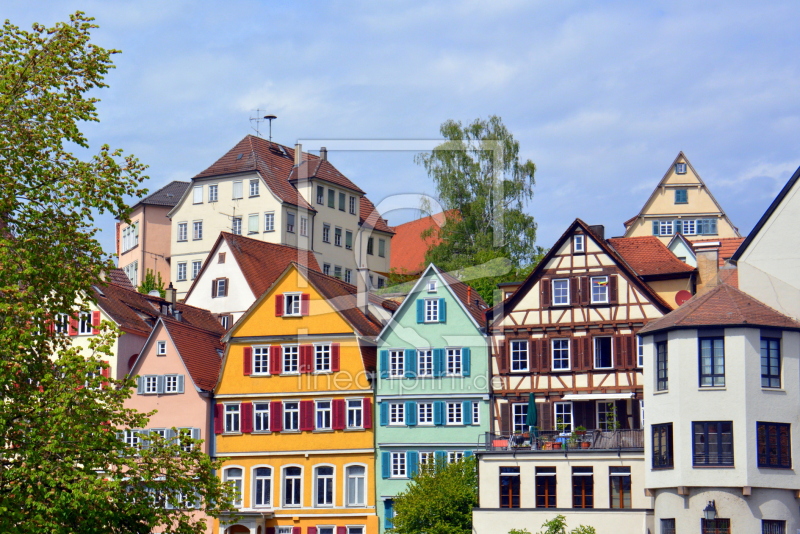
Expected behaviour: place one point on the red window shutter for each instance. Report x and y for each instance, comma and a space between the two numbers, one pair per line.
105, 372
502, 357
305, 303
307, 415
278, 305
248, 361
247, 417
96, 322
72, 326
367, 412
612, 289
339, 416
545, 293
296, 530
312, 530
218, 418
51, 326
306, 356
275, 364
341, 530
213, 289
275, 416
335, 357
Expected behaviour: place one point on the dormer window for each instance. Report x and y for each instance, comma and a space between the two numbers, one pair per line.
292, 303
578, 243
161, 348
680, 168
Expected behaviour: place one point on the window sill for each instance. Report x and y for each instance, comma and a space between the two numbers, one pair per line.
773, 390
712, 388
269, 231
254, 196
602, 368
252, 233
261, 375
231, 433
725, 466
322, 430
294, 373
661, 392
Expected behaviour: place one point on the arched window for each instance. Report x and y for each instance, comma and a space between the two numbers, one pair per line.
262, 487
323, 477
356, 482
235, 477
292, 486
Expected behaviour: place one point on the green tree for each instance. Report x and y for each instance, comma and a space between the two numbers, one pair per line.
63, 468
557, 525
438, 500
483, 187
152, 281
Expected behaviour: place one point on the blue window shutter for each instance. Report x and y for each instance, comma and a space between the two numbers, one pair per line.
388, 513
180, 383
420, 311
467, 454
438, 362
466, 412
386, 465
442, 311
466, 367
411, 413
384, 414
441, 456
411, 363
412, 459
438, 413
384, 364
713, 229
655, 227
140, 385
160, 384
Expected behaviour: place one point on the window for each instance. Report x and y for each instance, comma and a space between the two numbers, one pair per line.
397, 413
681, 196
545, 487
382, 248
323, 418
639, 351
303, 226
519, 414
662, 445
424, 363
252, 224
355, 530
150, 384
269, 222
262, 487
582, 487
712, 442
431, 310
290, 222
599, 289
356, 485
220, 287
132, 272
261, 416
509, 487
260, 360
326, 269
348, 276
85, 323
715, 526
326, 233
225, 319
773, 445
253, 188
182, 231
322, 358
235, 478
221, 257
680, 168
454, 414
603, 358
352, 205
425, 413
232, 419
560, 354
320, 194
284, 530
197, 230
236, 226
689, 228
237, 190
712, 361
561, 292
133, 438
773, 526
476, 413
454, 362
291, 416
61, 323
213, 193
342, 197
563, 413
290, 357
519, 355
707, 226
337, 271
662, 376
607, 415
173, 383
355, 413
331, 198
454, 456
396, 364
337, 237
323, 486
292, 482
426, 458
668, 526
770, 363
381, 282
197, 194
369, 246
619, 482
130, 236
665, 228
292, 304
398, 466
348, 240
196, 265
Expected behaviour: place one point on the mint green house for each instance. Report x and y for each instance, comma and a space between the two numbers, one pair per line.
432, 393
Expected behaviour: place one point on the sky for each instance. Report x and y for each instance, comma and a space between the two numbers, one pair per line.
600, 95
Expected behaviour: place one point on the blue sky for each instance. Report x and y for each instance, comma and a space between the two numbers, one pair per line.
601, 95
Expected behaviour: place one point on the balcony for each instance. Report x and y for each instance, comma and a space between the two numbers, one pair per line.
576, 442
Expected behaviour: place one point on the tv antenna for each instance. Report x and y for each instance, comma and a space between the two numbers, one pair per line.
258, 119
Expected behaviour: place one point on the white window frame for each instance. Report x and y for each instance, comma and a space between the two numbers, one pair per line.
424, 363
431, 310
352, 205
604, 424
562, 342
252, 223
269, 221
295, 412
182, 271
578, 243
476, 412
222, 287
290, 357
213, 193
238, 483
183, 231
197, 230
326, 233
680, 168
238, 190
85, 323
197, 265
397, 414
348, 276
269, 492
292, 304
236, 226
454, 456
689, 227
639, 351
424, 414
356, 529
432, 286
565, 411
360, 480
455, 413
150, 384
161, 348
232, 423
560, 299
326, 269
519, 411
355, 413
427, 457
454, 362
330, 480
253, 190
197, 194
337, 237
284, 485
322, 357
398, 468
516, 347
304, 226
594, 351
666, 227
397, 365
323, 414
260, 360
171, 384
262, 416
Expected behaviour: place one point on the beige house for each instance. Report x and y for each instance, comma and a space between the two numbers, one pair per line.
274, 193
681, 203
144, 244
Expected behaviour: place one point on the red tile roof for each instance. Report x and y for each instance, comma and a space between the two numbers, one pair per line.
722, 306
201, 351
409, 248
119, 278
369, 216
469, 297
648, 256
728, 247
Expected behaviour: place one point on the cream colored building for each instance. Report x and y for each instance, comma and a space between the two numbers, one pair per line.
273, 193
681, 203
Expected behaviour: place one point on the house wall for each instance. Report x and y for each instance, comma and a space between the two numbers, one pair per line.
153, 250
604, 521
668, 289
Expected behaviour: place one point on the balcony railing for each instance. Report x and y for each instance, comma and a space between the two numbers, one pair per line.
550, 440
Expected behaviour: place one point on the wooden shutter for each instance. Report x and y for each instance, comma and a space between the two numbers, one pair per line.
574, 291
96, 322
612, 289
278, 305
588, 363
275, 363
586, 290
534, 355
247, 417
72, 326
339, 415
633, 355
622, 414
420, 311
270, 530
466, 361
305, 303
248, 361
620, 354
339, 530
383, 364
105, 372
502, 356
218, 418
275, 416
306, 358
312, 530
544, 356
226, 288
576, 354
335, 357
213, 289
297, 530
505, 418
366, 416
544, 285
307, 415
546, 415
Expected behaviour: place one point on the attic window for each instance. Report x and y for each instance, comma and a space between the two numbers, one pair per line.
432, 286
578, 243
161, 348
680, 168
239, 156
221, 257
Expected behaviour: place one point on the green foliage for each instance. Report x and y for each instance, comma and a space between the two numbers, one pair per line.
64, 470
483, 187
557, 525
438, 500
151, 282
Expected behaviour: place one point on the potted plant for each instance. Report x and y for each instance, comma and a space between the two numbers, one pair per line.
580, 431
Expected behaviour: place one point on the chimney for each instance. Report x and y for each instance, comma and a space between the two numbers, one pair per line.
170, 294
599, 231
323, 154
707, 266
362, 286
298, 154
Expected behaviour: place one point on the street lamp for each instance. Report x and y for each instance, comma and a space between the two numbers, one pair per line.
710, 511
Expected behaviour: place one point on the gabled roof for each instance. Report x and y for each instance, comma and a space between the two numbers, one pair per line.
369, 216
767, 214
261, 262
722, 306
637, 281
408, 247
321, 169
648, 256
119, 278
169, 195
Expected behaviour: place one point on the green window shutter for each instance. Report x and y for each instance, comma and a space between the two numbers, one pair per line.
388, 513
411, 413
384, 364
438, 413
466, 364
412, 461
655, 228
438, 362
410, 363
442, 311
467, 454
466, 412
386, 464
441, 456
420, 311
384, 413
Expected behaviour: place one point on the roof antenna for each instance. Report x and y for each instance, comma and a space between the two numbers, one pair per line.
258, 119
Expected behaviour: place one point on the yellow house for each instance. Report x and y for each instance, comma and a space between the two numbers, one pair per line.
294, 408
681, 204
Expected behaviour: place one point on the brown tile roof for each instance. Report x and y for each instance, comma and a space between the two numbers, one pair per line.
729, 276
469, 297
201, 351
722, 306
119, 278
648, 256
409, 248
367, 214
